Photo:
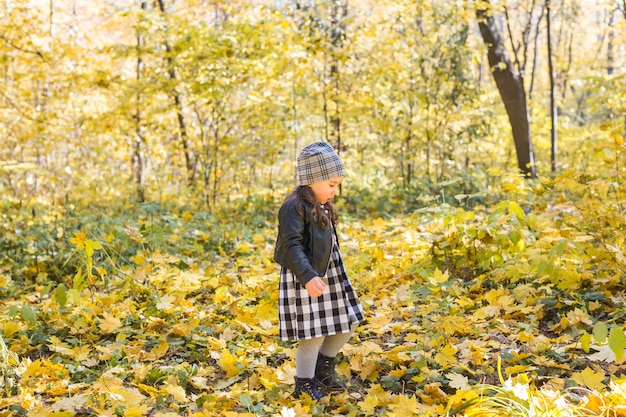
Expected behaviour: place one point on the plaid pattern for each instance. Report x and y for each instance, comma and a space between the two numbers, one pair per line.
302, 317
319, 162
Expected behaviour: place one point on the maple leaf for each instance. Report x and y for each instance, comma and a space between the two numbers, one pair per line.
165, 303
72, 403
176, 391
603, 354
109, 323
438, 277
158, 351
368, 405
569, 279
368, 369
45, 376
579, 316
138, 259
121, 395
231, 363
185, 329
433, 394
266, 311
376, 395
136, 411
286, 373
268, 378
150, 390
403, 406
589, 378
399, 372
187, 281
379, 323
56, 345
446, 356
403, 293
80, 353
458, 381
460, 397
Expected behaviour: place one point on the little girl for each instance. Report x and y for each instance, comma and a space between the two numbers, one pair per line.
317, 304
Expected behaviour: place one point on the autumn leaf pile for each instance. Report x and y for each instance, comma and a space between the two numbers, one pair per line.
481, 310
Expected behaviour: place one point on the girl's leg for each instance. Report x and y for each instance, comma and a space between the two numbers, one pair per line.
306, 357
325, 367
306, 361
333, 344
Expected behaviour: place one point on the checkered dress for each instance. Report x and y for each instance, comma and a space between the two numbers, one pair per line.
303, 317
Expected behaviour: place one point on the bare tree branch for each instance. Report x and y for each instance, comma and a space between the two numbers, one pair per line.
14, 46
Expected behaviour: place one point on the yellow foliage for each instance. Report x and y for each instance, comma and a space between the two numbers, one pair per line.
438, 277
376, 396
590, 378
231, 363
44, 376
446, 356
402, 406
10, 328
177, 392
158, 351
109, 323
79, 240
444, 297
136, 410
286, 373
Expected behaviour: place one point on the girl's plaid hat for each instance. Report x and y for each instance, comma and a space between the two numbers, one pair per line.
319, 162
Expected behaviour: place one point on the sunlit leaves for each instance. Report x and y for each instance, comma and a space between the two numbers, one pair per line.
600, 332
617, 342
109, 323
231, 363
43, 376
458, 381
286, 373
590, 378
448, 294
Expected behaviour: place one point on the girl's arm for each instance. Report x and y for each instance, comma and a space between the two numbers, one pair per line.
315, 287
290, 244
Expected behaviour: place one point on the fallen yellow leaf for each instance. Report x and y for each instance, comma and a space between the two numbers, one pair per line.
589, 378
109, 323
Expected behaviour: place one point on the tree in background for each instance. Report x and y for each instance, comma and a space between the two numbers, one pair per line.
510, 84
221, 95
177, 94
553, 112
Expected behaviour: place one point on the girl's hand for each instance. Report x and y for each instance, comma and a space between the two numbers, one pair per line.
315, 287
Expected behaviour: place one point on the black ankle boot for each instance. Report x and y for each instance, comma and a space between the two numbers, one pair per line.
308, 386
325, 374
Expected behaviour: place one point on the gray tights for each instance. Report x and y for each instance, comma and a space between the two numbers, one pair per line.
308, 350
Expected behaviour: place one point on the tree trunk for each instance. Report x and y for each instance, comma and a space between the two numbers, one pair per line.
511, 87
139, 154
610, 59
190, 159
296, 145
337, 28
553, 113
535, 57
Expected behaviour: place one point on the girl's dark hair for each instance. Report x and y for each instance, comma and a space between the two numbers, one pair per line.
304, 193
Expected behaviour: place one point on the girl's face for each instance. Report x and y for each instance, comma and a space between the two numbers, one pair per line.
325, 190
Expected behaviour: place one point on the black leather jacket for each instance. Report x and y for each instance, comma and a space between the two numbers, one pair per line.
302, 245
